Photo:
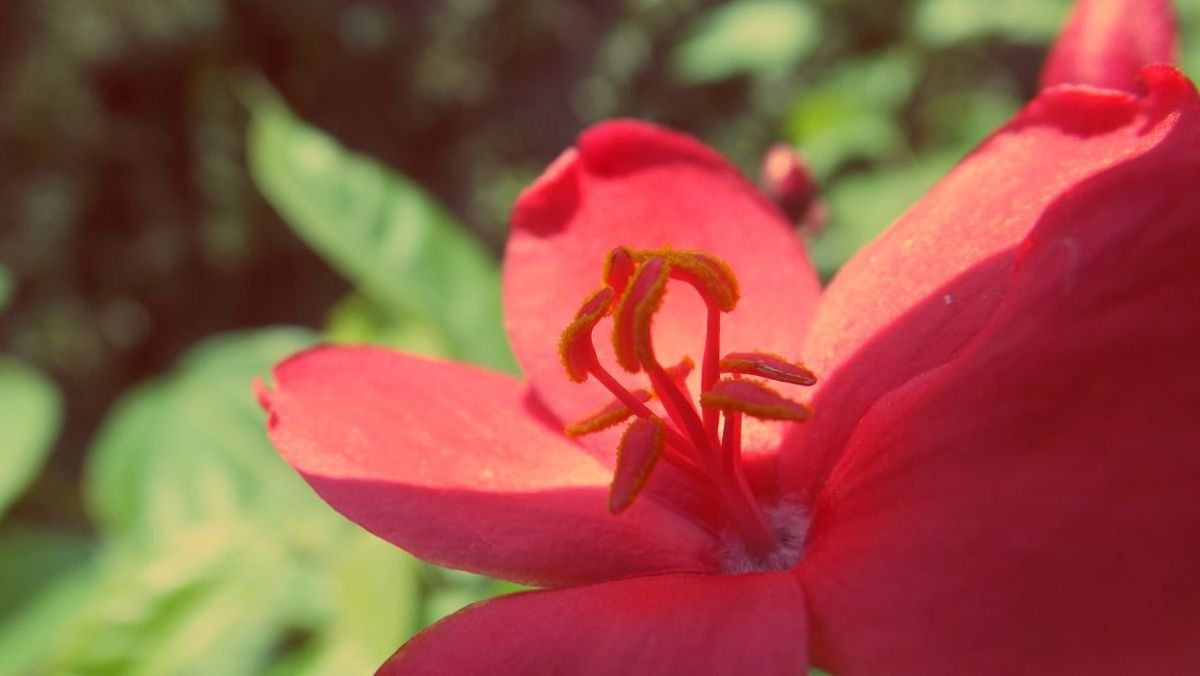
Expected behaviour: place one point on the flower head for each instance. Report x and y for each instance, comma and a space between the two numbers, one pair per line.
986, 460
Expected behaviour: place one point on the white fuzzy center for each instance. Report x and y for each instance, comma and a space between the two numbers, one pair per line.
790, 522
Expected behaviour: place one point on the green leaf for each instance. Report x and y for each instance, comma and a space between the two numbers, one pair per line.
958, 120
206, 601
1189, 25
944, 22
385, 234
248, 596
373, 587
30, 412
853, 113
191, 447
221, 560
43, 576
748, 36
356, 319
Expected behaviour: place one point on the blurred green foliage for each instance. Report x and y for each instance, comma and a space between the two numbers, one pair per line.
947, 22
217, 558
45, 577
400, 248
6, 286
29, 418
182, 450
213, 556
750, 36
164, 218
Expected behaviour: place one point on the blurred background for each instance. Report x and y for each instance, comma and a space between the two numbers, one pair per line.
192, 189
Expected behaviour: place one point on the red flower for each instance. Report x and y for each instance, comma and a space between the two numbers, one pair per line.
1002, 463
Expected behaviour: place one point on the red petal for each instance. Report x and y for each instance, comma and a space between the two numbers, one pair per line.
1032, 505
673, 624
450, 463
634, 184
1106, 43
911, 299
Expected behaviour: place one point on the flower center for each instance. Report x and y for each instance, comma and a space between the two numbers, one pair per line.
703, 442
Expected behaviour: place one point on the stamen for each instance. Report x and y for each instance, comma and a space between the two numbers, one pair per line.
686, 437
631, 323
731, 442
753, 399
575, 346
712, 369
679, 373
718, 287
612, 414
711, 276
679, 408
638, 451
617, 410
639, 408
767, 365
618, 268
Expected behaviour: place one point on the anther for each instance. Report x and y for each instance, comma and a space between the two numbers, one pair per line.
767, 365
753, 399
575, 346
679, 372
631, 323
638, 451
710, 276
619, 266
615, 412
